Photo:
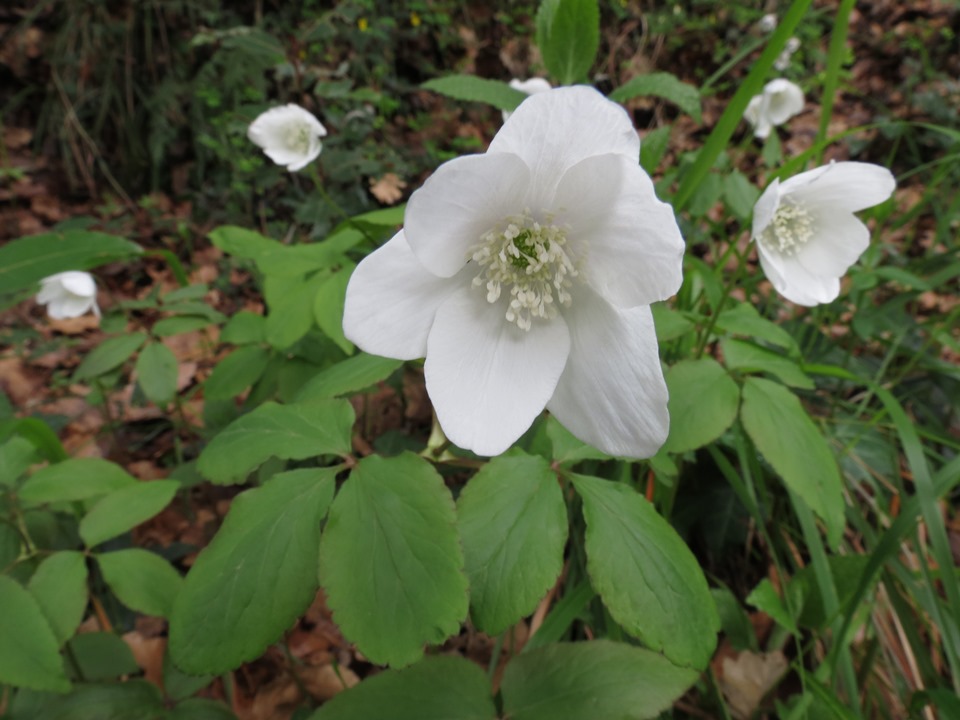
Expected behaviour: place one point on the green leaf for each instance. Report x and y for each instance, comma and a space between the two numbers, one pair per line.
653, 147
142, 580
568, 35
591, 680
743, 319
16, 455
393, 216
290, 300
302, 259
765, 597
101, 656
243, 243
157, 373
670, 324
201, 709
178, 325
9, 545
74, 479
109, 354
110, 701
741, 194
567, 448
349, 376
36, 431
244, 328
786, 436
28, 260
647, 577
28, 647
390, 559
436, 688
703, 403
257, 575
513, 522
328, 307
289, 432
474, 89
663, 85
236, 372
747, 357
126, 508
59, 586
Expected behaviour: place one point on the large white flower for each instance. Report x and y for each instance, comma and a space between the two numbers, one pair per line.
525, 275
780, 101
807, 235
289, 135
69, 294
530, 87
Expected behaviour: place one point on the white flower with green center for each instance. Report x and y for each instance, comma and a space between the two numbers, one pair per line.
525, 275
288, 135
69, 294
807, 235
780, 101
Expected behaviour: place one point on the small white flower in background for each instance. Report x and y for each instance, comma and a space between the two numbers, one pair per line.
69, 294
807, 235
530, 87
780, 101
289, 135
525, 276
783, 59
768, 23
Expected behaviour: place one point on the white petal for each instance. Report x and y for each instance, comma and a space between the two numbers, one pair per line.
553, 131
752, 112
629, 240
530, 87
839, 240
850, 186
612, 394
69, 306
272, 131
391, 302
795, 282
786, 100
79, 283
765, 207
461, 201
50, 290
488, 379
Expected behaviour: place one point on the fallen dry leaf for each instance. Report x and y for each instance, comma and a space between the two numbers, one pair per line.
748, 677
388, 189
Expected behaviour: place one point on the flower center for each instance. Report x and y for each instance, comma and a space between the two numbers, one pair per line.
298, 138
530, 260
791, 228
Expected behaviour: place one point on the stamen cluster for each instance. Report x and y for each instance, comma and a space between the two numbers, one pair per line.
791, 228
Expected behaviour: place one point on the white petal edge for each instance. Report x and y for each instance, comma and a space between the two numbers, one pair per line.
612, 394
786, 100
795, 282
391, 302
838, 242
488, 379
462, 200
78, 283
850, 186
531, 86
629, 240
553, 131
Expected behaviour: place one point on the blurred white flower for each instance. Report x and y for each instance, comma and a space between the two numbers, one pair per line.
768, 23
530, 87
783, 59
69, 294
289, 135
807, 235
525, 276
780, 101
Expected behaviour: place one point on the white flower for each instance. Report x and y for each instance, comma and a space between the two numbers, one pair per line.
783, 59
807, 235
530, 87
780, 101
69, 294
768, 23
525, 275
289, 135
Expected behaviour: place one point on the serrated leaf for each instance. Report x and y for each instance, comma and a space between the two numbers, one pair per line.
36, 431
124, 509
474, 89
513, 523
257, 575
74, 479
348, 376
290, 303
100, 656
328, 307
200, 709
236, 372
591, 680
390, 559
745, 356
142, 580
741, 194
568, 35
27, 261
567, 448
646, 575
704, 401
786, 436
663, 85
59, 586
110, 701
743, 319
244, 328
157, 373
289, 432
16, 455
436, 688
109, 354
28, 648
765, 597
